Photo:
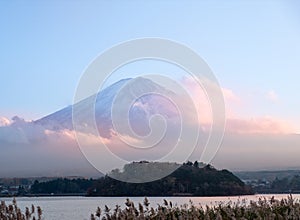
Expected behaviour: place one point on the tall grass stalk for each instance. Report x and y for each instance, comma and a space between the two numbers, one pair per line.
288, 208
13, 212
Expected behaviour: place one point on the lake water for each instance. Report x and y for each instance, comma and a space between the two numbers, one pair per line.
80, 208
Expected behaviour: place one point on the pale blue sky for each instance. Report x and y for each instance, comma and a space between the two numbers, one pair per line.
253, 47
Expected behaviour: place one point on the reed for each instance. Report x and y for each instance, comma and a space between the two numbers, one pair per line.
13, 212
262, 209
287, 208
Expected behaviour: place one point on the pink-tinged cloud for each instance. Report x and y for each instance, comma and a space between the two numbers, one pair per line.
230, 97
262, 125
4, 121
202, 101
235, 123
40, 151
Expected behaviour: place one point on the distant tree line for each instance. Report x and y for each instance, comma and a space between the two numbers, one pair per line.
290, 184
62, 186
286, 184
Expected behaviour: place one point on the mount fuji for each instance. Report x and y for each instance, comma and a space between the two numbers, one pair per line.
140, 112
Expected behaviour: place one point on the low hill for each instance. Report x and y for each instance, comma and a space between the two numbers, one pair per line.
190, 179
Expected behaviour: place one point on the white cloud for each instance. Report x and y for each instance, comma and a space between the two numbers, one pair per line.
4, 121
271, 96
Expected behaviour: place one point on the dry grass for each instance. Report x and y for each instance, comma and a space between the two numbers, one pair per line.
13, 212
262, 209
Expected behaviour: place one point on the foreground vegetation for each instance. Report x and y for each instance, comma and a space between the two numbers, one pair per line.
288, 208
13, 212
262, 209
